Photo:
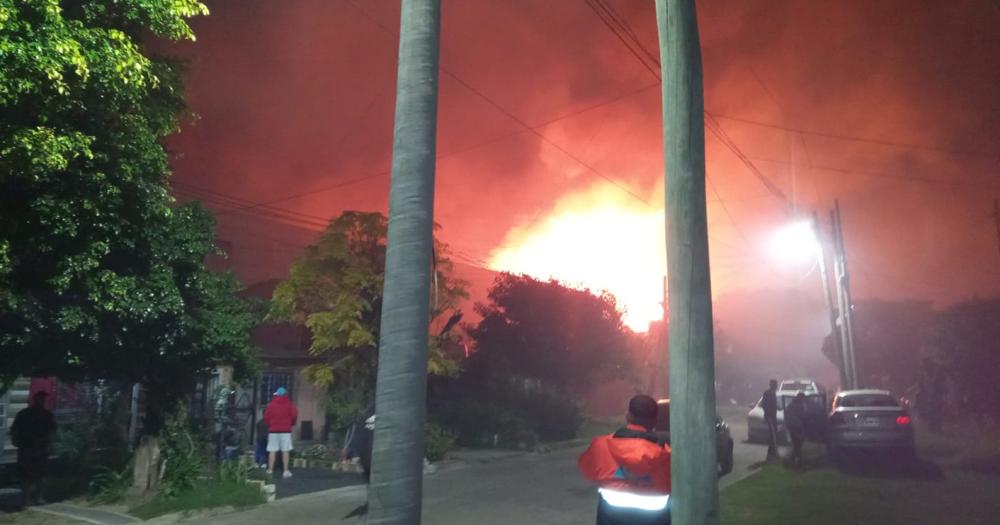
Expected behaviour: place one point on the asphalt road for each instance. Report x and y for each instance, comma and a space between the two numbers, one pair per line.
530, 488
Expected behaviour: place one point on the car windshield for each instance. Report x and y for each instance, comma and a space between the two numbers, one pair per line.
796, 385
866, 400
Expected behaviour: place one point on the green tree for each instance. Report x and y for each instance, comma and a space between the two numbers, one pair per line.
568, 339
335, 289
101, 275
966, 347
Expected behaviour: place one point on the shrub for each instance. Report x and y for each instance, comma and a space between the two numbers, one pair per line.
109, 486
511, 418
554, 417
182, 457
437, 442
478, 423
233, 471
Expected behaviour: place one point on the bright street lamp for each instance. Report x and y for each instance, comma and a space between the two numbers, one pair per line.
795, 243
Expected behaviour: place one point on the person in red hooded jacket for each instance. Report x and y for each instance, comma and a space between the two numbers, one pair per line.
280, 416
632, 469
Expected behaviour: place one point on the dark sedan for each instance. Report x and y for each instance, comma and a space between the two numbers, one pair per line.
723, 438
869, 419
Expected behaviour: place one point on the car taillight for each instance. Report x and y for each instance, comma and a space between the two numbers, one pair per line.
903, 420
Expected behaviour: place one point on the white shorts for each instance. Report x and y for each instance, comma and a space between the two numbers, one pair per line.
279, 442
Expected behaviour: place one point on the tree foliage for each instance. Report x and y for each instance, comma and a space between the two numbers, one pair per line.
888, 337
966, 347
335, 289
100, 274
564, 337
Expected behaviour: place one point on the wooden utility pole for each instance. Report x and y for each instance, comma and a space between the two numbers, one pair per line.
695, 493
396, 488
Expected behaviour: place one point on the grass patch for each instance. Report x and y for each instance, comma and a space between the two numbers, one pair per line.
827, 495
205, 494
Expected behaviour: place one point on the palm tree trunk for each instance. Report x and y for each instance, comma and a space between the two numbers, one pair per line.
692, 361
401, 389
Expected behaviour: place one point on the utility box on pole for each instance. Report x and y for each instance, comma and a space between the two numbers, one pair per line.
695, 494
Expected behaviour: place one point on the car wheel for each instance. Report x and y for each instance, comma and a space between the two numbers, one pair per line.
726, 461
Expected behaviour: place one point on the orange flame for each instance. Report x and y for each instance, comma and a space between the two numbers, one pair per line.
599, 241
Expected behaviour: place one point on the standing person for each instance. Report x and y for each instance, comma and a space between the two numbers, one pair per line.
280, 416
32, 433
795, 422
360, 443
260, 451
769, 402
632, 467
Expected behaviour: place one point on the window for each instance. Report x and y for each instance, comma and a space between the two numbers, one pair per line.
866, 400
270, 382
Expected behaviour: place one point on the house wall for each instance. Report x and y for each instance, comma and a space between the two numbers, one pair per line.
309, 401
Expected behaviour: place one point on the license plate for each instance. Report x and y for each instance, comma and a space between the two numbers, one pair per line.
870, 422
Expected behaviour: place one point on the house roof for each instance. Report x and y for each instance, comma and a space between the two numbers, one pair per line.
278, 342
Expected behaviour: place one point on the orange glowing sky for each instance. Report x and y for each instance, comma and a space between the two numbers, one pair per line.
891, 107
598, 240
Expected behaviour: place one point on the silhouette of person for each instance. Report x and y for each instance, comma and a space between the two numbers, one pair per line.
32, 434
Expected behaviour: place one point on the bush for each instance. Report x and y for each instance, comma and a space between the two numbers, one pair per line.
233, 471
183, 460
552, 416
515, 418
109, 486
71, 445
437, 442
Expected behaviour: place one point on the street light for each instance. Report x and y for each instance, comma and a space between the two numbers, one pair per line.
796, 243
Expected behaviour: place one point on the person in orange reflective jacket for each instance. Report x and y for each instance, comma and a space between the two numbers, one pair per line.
632, 469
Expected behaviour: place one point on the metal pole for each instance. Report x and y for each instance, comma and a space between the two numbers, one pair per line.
844, 291
834, 331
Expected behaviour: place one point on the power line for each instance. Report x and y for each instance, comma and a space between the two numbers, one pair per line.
520, 122
885, 175
850, 138
621, 28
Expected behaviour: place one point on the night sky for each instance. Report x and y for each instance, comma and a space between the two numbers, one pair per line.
550, 138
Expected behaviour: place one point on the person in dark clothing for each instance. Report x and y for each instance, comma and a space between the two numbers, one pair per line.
795, 422
32, 434
632, 469
359, 445
260, 452
769, 402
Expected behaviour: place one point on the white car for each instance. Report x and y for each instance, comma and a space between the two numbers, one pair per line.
816, 408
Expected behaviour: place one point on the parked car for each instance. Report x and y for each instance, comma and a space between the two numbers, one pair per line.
869, 419
816, 412
723, 437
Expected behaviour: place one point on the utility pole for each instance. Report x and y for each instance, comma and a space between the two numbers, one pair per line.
659, 365
838, 346
695, 496
842, 279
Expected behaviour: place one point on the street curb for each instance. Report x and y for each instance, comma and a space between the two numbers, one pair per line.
88, 515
